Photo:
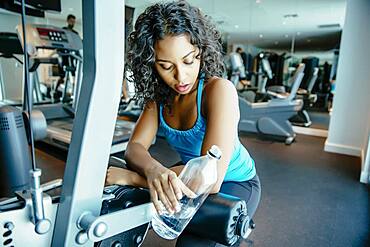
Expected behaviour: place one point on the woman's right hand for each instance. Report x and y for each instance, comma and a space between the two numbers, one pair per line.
166, 188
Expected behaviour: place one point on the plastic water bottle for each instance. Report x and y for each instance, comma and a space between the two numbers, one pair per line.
199, 175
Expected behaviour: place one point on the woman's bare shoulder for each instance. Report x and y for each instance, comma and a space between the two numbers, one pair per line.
219, 86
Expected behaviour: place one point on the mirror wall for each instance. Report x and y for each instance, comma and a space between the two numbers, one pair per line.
285, 33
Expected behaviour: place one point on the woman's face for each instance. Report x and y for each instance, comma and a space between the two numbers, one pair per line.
177, 62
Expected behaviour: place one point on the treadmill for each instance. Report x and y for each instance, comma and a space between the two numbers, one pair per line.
60, 116
60, 134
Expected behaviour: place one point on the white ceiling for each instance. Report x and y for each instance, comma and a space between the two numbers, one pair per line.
260, 22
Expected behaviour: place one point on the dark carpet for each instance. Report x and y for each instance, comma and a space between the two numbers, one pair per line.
309, 197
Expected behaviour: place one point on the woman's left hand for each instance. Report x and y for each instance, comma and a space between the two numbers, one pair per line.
120, 176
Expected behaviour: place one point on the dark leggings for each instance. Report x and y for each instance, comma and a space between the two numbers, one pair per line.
250, 191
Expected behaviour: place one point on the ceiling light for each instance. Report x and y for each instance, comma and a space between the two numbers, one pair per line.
261, 36
335, 25
236, 26
290, 16
284, 22
298, 33
286, 35
70, 9
258, 1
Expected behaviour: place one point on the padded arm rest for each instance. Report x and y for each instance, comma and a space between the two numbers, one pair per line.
221, 218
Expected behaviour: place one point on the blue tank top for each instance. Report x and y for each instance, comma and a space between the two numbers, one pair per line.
188, 143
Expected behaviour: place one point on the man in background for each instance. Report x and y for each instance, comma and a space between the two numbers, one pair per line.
71, 21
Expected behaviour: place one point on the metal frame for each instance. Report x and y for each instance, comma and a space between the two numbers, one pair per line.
76, 220
77, 86
1, 82
95, 120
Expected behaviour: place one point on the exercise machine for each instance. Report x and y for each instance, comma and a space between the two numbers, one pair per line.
129, 107
323, 88
10, 83
259, 94
276, 64
302, 118
237, 68
60, 116
271, 117
303, 93
86, 213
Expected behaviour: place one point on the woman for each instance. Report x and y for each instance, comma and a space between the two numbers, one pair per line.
176, 60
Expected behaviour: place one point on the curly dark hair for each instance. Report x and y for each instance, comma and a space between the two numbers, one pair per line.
170, 18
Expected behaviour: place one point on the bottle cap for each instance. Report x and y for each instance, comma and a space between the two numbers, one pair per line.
215, 152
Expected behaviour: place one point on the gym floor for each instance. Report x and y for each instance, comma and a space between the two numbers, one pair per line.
320, 120
309, 197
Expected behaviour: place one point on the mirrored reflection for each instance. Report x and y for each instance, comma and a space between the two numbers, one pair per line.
54, 46
273, 38
265, 41
58, 25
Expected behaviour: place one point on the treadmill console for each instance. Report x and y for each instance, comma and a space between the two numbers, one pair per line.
49, 37
52, 34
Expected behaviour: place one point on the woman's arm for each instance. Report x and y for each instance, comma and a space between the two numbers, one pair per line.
221, 109
121, 176
163, 183
136, 154
140, 181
